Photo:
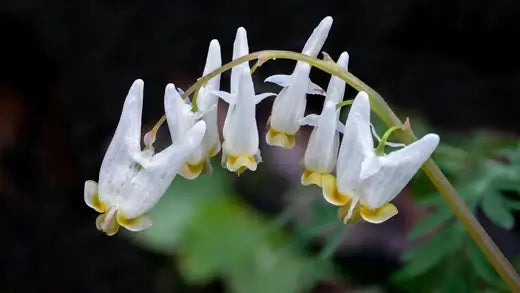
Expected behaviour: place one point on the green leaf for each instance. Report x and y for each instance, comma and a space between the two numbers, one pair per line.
429, 200
174, 212
512, 204
427, 255
430, 223
222, 235
496, 210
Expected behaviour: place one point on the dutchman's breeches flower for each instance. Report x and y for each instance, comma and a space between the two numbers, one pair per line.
240, 147
322, 149
367, 181
131, 180
180, 111
207, 103
289, 105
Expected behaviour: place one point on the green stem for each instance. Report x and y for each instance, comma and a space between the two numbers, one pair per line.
381, 108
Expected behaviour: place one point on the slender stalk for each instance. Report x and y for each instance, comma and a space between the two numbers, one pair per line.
383, 110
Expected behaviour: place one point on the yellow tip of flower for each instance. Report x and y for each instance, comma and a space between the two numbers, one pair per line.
310, 177
135, 224
278, 138
379, 215
239, 164
330, 191
190, 171
214, 150
107, 223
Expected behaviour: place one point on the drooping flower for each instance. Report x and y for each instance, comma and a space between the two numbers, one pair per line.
368, 181
207, 102
322, 148
289, 105
240, 134
181, 112
131, 180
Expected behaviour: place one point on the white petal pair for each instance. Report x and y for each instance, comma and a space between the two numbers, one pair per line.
131, 180
367, 182
180, 111
322, 148
240, 149
289, 105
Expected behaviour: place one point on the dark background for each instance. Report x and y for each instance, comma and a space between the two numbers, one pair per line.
65, 67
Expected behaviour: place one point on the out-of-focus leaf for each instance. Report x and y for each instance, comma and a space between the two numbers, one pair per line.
480, 263
495, 209
429, 200
228, 240
425, 256
174, 212
220, 237
276, 270
512, 204
430, 223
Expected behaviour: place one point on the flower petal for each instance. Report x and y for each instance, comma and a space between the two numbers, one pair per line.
397, 168
261, 97
107, 223
213, 61
289, 105
314, 89
125, 143
317, 39
91, 196
240, 48
356, 145
206, 100
330, 191
336, 88
179, 116
135, 224
150, 184
191, 171
278, 138
322, 148
379, 215
282, 80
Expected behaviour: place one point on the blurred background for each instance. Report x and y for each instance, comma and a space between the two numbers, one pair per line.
453, 67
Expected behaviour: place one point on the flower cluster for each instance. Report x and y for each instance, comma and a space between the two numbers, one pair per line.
353, 174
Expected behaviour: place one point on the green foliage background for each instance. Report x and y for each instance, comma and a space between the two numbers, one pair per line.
212, 235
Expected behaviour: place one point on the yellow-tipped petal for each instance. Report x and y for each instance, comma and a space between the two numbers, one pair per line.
214, 150
310, 177
190, 171
106, 224
240, 163
378, 215
354, 218
135, 224
92, 198
330, 191
278, 138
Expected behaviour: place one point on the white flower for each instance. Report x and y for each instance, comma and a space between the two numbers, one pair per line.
289, 105
322, 148
131, 180
240, 147
180, 112
367, 182
207, 102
